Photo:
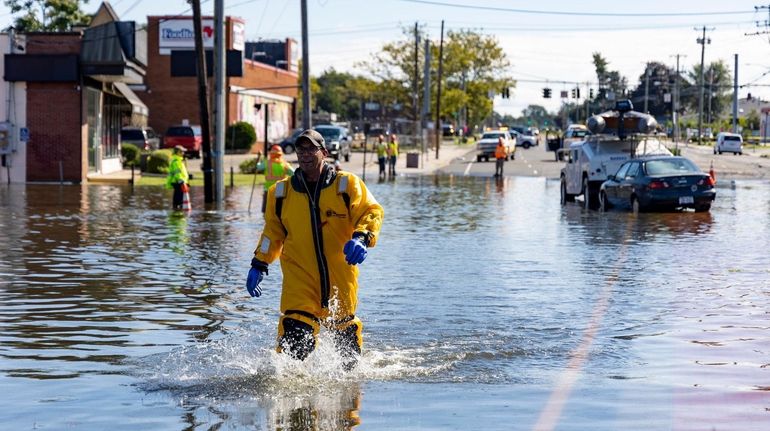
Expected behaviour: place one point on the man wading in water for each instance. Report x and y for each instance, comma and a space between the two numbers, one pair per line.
320, 223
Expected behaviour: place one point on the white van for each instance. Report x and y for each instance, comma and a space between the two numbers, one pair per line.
728, 143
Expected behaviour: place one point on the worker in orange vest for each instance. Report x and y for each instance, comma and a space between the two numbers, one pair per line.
501, 154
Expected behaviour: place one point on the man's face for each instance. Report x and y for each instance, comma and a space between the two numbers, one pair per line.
310, 157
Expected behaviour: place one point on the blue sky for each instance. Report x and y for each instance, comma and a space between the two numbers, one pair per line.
547, 40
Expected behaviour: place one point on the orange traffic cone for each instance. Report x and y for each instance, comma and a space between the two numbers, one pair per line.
712, 174
186, 198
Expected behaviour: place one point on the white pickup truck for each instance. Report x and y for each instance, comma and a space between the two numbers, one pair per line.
589, 162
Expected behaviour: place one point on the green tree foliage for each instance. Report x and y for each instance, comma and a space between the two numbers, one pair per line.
656, 80
314, 89
475, 65
343, 93
130, 154
47, 15
717, 90
240, 136
610, 81
537, 115
158, 161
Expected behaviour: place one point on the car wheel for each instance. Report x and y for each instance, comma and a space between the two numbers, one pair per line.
486, 158
588, 197
720, 152
603, 204
527, 145
565, 197
289, 149
478, 158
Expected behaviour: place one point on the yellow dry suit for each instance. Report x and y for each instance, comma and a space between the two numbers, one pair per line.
307, 226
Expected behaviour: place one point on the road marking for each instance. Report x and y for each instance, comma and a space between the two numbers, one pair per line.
551, 413
467, 169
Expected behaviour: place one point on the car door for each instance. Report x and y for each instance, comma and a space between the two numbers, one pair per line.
630, 182
612, 186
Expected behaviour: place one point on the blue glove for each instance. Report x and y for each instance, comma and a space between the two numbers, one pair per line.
355, 251
252, 282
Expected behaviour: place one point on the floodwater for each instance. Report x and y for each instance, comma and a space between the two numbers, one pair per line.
486, 305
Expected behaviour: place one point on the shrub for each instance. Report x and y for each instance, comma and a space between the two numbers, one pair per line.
249, 166
130, 154
158, 161
240, 136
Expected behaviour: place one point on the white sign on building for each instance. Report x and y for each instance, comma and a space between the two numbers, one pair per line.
179, 34
239, 35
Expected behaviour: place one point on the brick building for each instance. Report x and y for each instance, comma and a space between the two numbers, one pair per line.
174, 99
69, 99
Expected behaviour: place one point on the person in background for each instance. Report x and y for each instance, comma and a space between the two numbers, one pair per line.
177, 175
501, 154
337, 166
382, 154
392, 154
275, 168
320, 223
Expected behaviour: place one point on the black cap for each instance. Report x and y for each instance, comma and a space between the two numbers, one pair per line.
313, 137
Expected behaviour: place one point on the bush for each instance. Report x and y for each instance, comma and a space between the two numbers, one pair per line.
250, 166
130, 154
158, 161
242, 134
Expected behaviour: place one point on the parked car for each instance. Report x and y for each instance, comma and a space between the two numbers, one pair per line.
658, 183
728, 143
287, 144
524, 137
189, 137
143, 137
447, 130
337, 140
485, 147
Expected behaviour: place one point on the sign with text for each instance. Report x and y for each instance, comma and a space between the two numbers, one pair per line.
179, 34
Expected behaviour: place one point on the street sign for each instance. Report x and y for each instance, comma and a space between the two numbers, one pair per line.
23, 134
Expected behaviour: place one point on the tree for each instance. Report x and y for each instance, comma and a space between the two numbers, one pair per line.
475, 65
656, 80
610, 81
343, 93
538, 115
47, 15
717, 90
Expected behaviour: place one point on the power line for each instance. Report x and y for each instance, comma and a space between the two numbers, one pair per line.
569, 13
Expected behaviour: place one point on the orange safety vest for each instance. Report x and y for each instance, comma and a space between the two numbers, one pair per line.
500, 152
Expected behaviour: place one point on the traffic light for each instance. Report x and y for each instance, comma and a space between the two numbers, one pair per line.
506, 93
546, 93
577, 92
573, 93
590, 93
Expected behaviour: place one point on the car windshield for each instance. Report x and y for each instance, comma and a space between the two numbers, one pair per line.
492, 135
179, 131
330, 134
131, 135
579, 133
671, 167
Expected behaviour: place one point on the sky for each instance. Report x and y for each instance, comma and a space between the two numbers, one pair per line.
548, 43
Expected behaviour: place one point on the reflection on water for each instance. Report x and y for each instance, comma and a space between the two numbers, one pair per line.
479, 292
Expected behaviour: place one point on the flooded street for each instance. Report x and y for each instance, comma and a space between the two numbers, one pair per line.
486, 305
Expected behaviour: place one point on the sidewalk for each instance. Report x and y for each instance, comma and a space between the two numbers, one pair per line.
427, 164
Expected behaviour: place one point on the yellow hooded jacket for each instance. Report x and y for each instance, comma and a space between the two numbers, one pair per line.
309, 239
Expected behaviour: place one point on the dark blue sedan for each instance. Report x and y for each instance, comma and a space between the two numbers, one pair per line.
663, 183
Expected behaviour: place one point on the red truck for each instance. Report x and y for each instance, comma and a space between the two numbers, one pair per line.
188, 137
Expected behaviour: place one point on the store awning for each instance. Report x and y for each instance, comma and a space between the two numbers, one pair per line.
137, 106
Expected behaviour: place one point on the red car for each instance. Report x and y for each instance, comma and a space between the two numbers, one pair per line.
187, 136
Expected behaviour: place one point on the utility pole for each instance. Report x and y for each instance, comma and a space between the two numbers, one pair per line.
203, 102
415, 98
711, 92
439, 130
675, 102
306, 120
646, 86
425, 95
735, 97
702, 41
219, 103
